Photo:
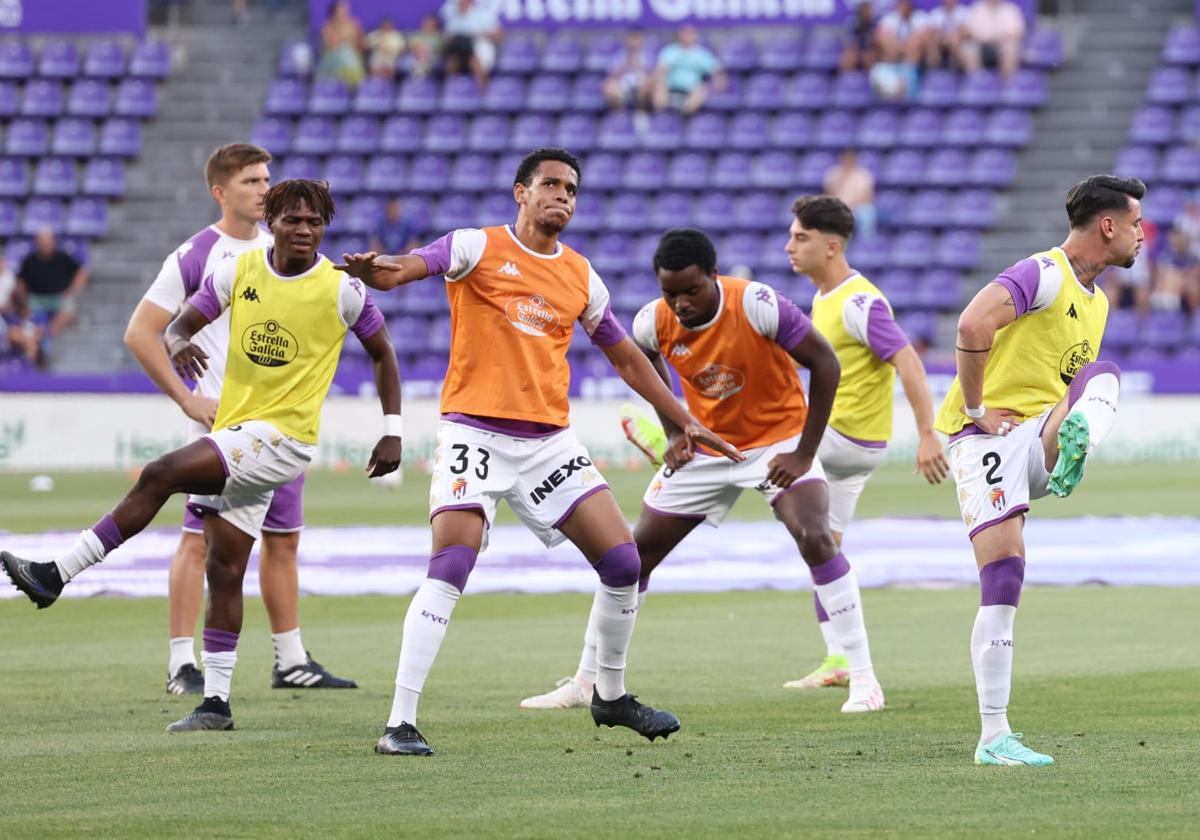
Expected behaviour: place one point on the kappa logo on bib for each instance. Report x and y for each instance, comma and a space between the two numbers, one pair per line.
269, 344
719, 381
1074, 359
532, 315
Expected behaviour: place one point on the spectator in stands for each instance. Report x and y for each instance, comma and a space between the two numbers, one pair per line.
341, 46
472, 31
385, 45
49, 283
398, 232
685, 71
945, 33
854, 184
630, 82
16, 333
1189, 222
862, 47
994, 30
424, 47
900, 37
1176, 275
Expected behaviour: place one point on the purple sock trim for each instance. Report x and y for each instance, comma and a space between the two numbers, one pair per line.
822, 616
453, 565
219, 641
621, 565
1000, 582
643, 584
1086, 374
108, 532
829, 571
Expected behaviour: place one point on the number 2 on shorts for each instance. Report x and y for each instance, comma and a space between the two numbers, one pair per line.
991, 460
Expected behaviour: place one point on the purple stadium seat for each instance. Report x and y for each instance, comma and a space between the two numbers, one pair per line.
903, 168
1043, 48
345, 174
728, 98
10, 225
738, 53
287, 97
531, 131
587, 94
782, 52
1163, 204
563, 54
763, 92
1164, 330
418, 96
150, 60
73, 136
664, 131
603, 171
55, 177
688, 170
729, 171
461, 95
43, 98
386, 174
706, 132
938, 291
628, 212
1169, 86
374, 96
299, 166
824, 50
1008, 127
789, 130
610, 252
274, 134
870, 253
358, 135
456, 210
963, 127
900, 287
548, 94
980, 88
120, 137
315, 136
1187, 128
59, 60
505, 94
470, 172
16, 60
576, 132
670, 210
835, 130
757, 211
773, 170
1182, 45
488, 133
892, 207
851, 90
713, 211
644, 170
740, 249
402, 133
589, 212
519, 55
90, 98
1181, 165
329, 97
928, 209
973, 209
104, 60
617, 132
878, 129
1121, 330
445, 133
10, 99
814, 165
1139, 162
601, 51
945, 167
641, 261
1026, 89
991, 168
747, 130
363, 214
14, 178
43, 213
104, 177
1193, 337
136, 98
958, 249
429, 172
912, 249
1152, 125
807, 90
939, 89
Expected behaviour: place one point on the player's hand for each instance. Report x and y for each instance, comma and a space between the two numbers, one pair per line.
385, 457
694, 433
201, 409
677, 453
931, 458
189, 360
786, 467
998, 421
368, 267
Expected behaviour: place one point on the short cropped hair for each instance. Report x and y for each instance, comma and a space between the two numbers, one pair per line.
824, 213
231, 159
534, 159
680, 247
287, 194
1093, 196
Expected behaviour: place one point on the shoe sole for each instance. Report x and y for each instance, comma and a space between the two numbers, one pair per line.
425, 753
837, 682
25, 586
649, 736
1073, 442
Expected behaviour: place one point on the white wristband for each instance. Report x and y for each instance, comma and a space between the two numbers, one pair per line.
393, 425
974, 413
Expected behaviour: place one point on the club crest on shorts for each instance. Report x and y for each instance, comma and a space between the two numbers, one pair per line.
269, 344
655, 487
532, 315
458, 487
996, 497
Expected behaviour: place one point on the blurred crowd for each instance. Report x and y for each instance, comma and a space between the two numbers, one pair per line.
1166, 275
38, 300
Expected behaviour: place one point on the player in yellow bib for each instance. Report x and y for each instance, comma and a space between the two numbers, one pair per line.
1028, 406
289, 315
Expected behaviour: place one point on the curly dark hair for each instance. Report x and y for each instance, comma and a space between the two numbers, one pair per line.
287, 194
680, 247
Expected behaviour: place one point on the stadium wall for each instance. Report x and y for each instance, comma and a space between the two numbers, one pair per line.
61, 16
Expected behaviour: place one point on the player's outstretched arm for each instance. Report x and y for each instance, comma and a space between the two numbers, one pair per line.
189, 360
814, 353
631, 363
144, 338
931, 456
385, 458
991, 309
383, 272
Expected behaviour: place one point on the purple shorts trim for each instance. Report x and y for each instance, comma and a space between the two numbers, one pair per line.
199, 512
693, 517
965, 431
1008, 514
467, 506
286, 513
192, 523
220, 454
794, 485
576, 503
867, 444
526, 429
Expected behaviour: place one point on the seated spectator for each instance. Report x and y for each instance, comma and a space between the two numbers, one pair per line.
900, 37
424, 47
341, 46
854, 184
1176, 275
17, 334
945, 32
49, 283
862, 46
630, 82
385, 45
994, 30
472, 31
398, 232
685, 70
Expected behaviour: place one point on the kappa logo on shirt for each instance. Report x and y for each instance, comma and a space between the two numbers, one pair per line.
859, 300
510, 268
680, 349
1072, 313
250, 294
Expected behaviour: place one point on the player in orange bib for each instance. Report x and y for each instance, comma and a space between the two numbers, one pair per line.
515, 295
735, 345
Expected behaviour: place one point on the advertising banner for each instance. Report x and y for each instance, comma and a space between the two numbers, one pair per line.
72, 16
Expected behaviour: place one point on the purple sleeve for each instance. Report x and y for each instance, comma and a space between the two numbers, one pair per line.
191, 264
609, 331
1022, 280
884, 336
206, 299
794, 325
370, 320
436, 254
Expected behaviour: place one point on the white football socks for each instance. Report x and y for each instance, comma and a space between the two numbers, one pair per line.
183, 652
615, 612
1098, 404
218, 673
87, 550
585, 674
832, 647
843, 602
289, 649
425, 627
992, 658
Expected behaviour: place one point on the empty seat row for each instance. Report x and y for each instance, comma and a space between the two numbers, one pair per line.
75, 136
86, 97
60, 59
55, 176
79, 217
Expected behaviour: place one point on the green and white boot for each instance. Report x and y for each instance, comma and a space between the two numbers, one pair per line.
1074, 446
1008, 751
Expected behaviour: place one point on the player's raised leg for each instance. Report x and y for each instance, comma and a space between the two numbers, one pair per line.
1087, 416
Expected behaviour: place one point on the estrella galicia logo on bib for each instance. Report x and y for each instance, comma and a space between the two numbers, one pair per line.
532, 315
269, 344
717, 380
1074, 359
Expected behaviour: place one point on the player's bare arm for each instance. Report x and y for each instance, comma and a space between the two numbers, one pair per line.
382, 272
931, 455
990, 310
825, 372
633, 366
676, 454
189, 360
385, 457
144, 338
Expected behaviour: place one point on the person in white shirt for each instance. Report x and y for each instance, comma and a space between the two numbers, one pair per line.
945, 32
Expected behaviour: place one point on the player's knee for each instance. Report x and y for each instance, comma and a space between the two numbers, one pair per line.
453, 565
817, 545
620, 566
155, 476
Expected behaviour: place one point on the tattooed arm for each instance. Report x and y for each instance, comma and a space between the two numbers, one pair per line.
991, 309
